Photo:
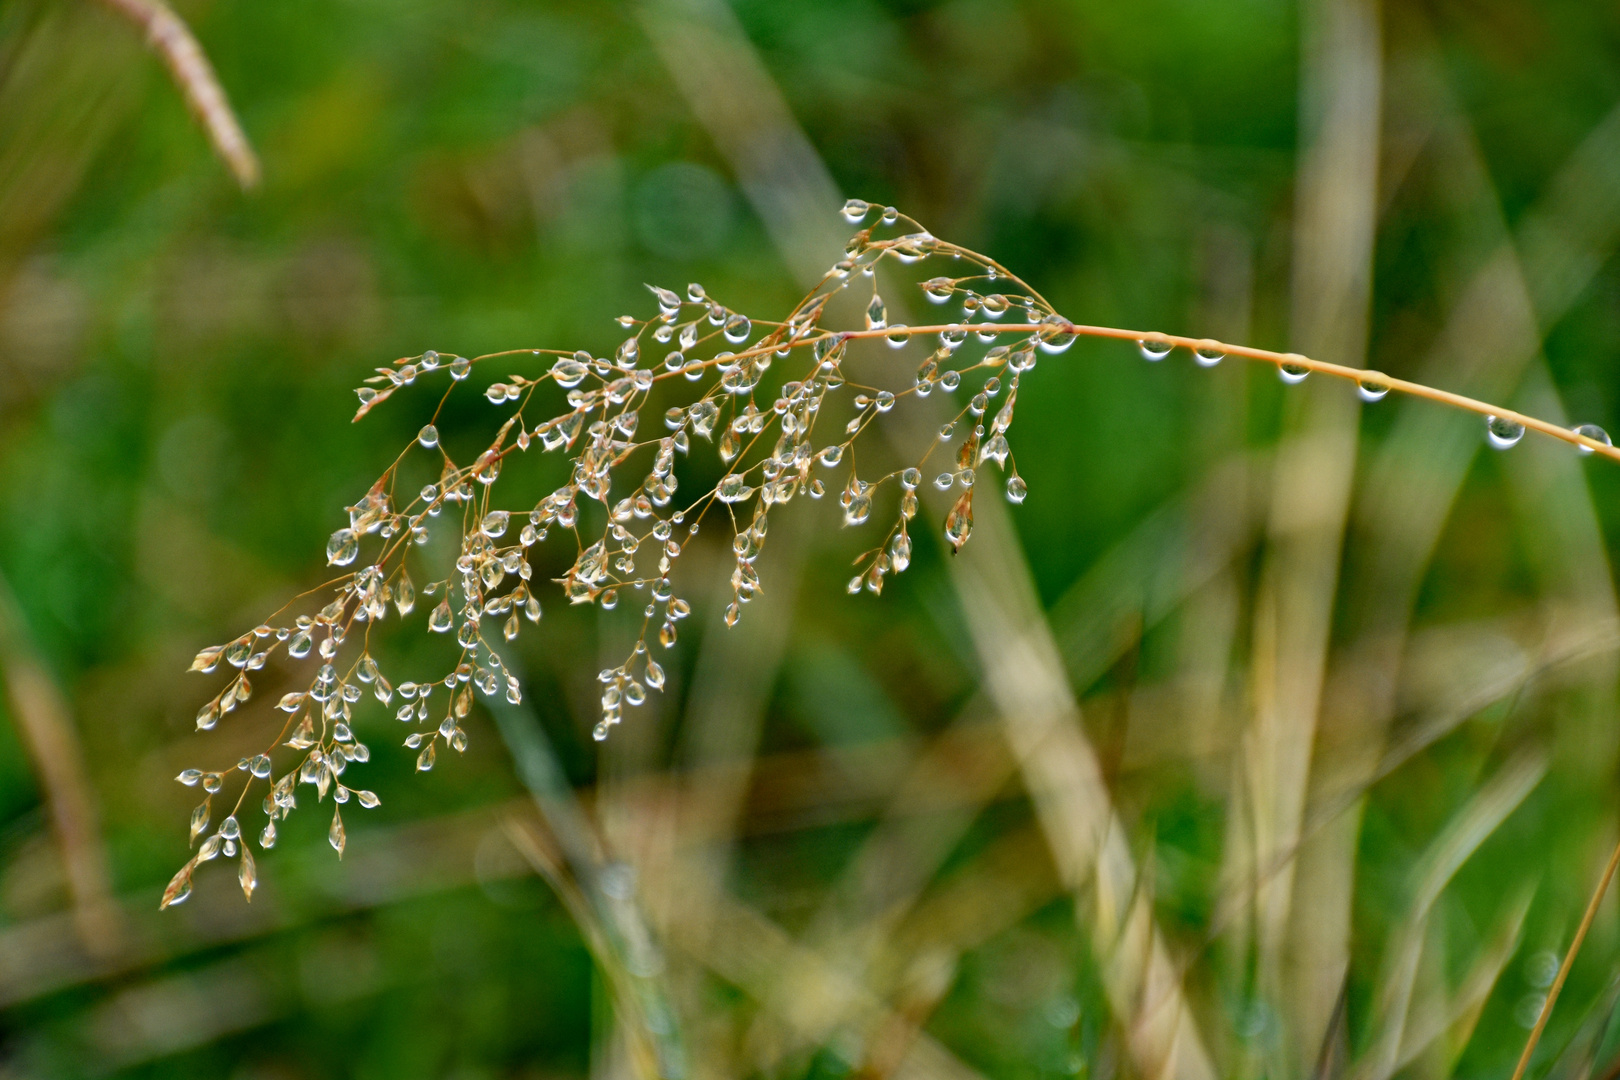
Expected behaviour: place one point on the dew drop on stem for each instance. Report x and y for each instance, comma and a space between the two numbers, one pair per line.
1595, 433
1154, 348
1503, 432
1372, 387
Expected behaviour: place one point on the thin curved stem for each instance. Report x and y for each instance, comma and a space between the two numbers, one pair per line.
1340, 371
1569, 959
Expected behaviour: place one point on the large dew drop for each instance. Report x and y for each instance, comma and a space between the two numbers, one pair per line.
1154, 348
1207, 356
1595, 433
1503, 432
1293, 374
342, 548
854, 211
1372, 387
732, 488
876, 314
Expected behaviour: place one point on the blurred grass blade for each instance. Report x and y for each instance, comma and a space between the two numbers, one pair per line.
1455, 1020
1301, 960
188, 65
600, 894
46, 725
1480, 816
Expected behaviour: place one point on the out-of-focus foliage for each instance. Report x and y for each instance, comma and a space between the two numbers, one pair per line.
176, 365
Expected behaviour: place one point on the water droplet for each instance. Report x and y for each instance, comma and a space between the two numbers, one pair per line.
460, 368
876, 315
1206, 356
1154, 348
1595, 433
1503, 432
335, 835
428, 436
1292, 374
939, 289
440, 620
900, 552
944, 481
495, 523
858, 509
738, 327
179, 888
342, 548
569, 372
732, 488
1372, 387
854, 211
1017, 490
959, 522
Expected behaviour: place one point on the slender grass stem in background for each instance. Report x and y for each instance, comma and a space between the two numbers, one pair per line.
1569, 960
188, 65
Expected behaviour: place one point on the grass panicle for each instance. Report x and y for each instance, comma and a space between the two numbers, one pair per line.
620, 511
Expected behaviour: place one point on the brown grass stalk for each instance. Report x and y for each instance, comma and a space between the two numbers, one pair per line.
1563, 968
188, 65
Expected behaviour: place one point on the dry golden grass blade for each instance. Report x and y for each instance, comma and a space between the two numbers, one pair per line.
1569, 961
1302, 961
1480, 816
188, 65
1024, 677
46, 725
1579, 1056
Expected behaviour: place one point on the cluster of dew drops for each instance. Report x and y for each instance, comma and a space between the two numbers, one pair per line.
1501, 432
619, 507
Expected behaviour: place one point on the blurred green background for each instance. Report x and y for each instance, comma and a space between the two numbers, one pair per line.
1287, 623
